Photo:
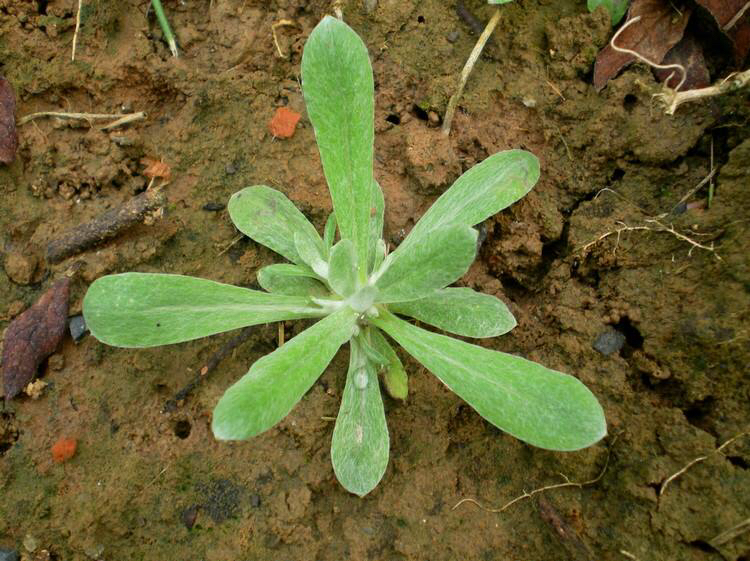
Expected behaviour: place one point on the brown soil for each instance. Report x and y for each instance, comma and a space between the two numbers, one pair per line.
145, 484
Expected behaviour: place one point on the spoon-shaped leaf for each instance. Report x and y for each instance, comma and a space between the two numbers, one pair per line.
149, 309
461, 311
267, 216
540, 406
484, 190
338, 88
359, 449
276, 382
294, 280
412, 272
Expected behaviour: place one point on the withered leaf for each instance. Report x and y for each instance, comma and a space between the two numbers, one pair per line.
8, 133
156, 168
689, 54
660, 28
33, 336
733, 17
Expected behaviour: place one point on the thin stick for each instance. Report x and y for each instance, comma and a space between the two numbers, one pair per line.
122, 118
467, 70
164, 24
698, 460
529, 494
673, 99
695, 189
281, 333
711, 181
737, 16
733, 532
78, 27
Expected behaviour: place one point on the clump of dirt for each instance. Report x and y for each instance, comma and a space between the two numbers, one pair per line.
610, 244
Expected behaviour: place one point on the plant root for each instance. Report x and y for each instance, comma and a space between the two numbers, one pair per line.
274, 27
226, 349
730, 534
105, 226
528, 494
120, 118
468, 67
691, 463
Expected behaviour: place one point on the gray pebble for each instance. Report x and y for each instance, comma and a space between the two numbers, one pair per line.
370, 6
255, 500
452, 37
9, 555
77, 327
609, 341
230, 169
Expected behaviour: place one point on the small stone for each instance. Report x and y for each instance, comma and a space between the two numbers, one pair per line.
609, 341
529, 102
77, 328
230, 169
433, 118
21, 267
35, 389
214, 207
64, 449
189, 516
122, 141
255, 500
9, 555
30, 543
452, 37
284, 122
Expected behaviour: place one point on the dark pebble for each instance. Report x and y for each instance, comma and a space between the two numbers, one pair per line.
609, 341
230, 169
189, 515
214, 207
77, 328
255, 500
452, 36
9, 555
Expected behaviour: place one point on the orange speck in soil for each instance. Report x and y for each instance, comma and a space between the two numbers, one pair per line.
63, 450
284, 122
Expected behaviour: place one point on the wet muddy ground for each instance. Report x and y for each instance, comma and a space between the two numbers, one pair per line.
645, 299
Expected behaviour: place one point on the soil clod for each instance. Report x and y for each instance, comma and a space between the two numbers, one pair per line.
8, 133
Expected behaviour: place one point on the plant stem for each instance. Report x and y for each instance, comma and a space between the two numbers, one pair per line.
164, 24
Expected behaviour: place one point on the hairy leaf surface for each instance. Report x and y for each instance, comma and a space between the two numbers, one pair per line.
276, 382
342, 268
293, 280
360, 445
150, 309
419, 269
395, 378
338, 87
267, 216
482, 191
461, 311
540, 406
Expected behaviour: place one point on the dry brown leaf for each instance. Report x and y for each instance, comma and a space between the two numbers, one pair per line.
8, 133
33, 336
660, 28
156, 168
733, 17
689, 54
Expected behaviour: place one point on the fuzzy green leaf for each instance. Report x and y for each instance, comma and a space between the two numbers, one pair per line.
479, 193
395, 378
413, 271
267, 216
148, 310
540, 406
342, 268
360, 445
329, 233
293, 280
616, 8
461, 311
311, 254
338, 88
377, 212
276, 382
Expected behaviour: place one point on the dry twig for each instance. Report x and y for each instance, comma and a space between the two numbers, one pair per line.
121, 118
274, 27
75, 33
467, 70
731, 533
